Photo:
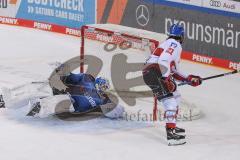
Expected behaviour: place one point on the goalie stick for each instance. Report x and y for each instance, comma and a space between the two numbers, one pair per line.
214, 76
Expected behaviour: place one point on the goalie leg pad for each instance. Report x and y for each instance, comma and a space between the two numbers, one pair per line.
54, 105
112, 110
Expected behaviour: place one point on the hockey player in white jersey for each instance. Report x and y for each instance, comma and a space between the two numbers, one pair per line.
160, 72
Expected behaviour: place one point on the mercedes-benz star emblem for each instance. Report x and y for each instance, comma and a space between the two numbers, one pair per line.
142, 15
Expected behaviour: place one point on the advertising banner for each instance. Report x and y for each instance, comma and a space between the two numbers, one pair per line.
9, 8
223, 5
189, 2
73, 13
207, 34
69, 13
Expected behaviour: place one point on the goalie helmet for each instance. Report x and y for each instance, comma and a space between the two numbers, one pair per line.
102, 84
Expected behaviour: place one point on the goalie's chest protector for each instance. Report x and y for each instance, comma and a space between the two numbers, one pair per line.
88, 98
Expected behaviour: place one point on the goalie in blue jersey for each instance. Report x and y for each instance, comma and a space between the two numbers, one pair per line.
83, 94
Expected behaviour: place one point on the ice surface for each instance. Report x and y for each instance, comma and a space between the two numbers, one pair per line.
25, 57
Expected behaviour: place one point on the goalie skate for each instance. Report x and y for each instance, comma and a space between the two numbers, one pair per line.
35, 109
2, 103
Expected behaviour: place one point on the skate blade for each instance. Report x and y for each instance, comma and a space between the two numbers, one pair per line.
176, 142
181, 133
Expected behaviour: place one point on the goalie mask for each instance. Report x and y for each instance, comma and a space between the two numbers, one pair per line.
102, 84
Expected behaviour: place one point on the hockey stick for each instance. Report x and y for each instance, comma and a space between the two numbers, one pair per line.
39, 82
212, 77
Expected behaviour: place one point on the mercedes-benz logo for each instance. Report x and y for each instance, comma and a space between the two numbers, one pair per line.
142, 15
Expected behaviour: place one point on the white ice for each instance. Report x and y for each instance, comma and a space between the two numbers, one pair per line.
26, 55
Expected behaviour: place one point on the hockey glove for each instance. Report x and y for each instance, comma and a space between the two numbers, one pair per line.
170, 84
194, 80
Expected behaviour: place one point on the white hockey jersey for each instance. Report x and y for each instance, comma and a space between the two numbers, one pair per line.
168, 54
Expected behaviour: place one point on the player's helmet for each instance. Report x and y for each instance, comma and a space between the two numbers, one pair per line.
102, 84
176, 30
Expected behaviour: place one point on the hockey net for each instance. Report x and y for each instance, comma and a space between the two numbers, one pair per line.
118, 53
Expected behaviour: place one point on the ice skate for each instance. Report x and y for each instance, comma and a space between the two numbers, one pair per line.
173, 138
